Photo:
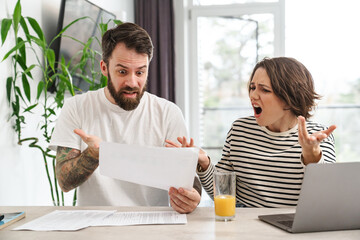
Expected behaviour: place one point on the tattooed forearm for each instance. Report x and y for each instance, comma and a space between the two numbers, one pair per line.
73, 167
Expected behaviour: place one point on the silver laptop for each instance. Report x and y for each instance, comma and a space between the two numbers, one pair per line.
329, 200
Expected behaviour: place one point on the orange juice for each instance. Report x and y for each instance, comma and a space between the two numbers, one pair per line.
224, 205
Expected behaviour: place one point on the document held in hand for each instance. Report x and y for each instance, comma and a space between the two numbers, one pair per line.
158, 167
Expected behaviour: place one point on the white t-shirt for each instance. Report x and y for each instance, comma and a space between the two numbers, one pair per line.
150, 124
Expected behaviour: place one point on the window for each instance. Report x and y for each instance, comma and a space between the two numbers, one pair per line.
216, 49
324, 36
225, 38
224, 2
226, 43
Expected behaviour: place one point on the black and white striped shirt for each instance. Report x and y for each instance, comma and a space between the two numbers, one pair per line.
268, 166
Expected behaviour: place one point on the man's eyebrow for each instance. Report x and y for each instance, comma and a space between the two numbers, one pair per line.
141, 67
120, 65
123, 66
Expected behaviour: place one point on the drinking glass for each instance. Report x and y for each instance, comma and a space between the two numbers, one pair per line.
224, 195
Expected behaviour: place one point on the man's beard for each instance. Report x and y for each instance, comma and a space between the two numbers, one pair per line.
125, 103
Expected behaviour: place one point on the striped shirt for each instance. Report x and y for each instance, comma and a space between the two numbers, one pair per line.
268, 166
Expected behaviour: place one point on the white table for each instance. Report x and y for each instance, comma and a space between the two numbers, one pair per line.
201, 226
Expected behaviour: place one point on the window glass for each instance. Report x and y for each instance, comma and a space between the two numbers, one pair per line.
224, 2
326, 40
228, 49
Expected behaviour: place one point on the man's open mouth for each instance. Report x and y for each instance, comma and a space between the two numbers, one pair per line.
130, 93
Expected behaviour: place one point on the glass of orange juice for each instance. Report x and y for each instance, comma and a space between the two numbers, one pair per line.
224, 195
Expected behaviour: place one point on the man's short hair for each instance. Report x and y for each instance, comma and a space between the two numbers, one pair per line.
133, 36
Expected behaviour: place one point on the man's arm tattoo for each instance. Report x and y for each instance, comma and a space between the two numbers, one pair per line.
73, 167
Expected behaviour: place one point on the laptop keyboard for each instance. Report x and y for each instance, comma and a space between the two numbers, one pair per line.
287, 223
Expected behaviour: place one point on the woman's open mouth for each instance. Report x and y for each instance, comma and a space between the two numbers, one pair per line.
257, 111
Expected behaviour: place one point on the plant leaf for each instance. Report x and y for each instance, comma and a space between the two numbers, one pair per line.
117, 22
74, 39
19, 45
26, 87
59, 98
18, 91
50, 55
22, 49
31, 107
103, 28
73, 22
40, 88
103, 81
17, 16
38, 41
22, 64
66, 27
15, 107
88, 43
27, 70
25, 28
20, 60
69, 84
35, 25
83, 77
9, 82
5, 26
83, 60
51, 111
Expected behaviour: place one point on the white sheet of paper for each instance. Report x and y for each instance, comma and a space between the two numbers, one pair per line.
65, 220
158, 167
141, 218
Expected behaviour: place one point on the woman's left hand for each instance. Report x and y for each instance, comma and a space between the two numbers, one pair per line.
310, 144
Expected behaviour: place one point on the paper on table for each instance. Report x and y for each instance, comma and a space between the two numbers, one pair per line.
158, 167
65, 220
140, 218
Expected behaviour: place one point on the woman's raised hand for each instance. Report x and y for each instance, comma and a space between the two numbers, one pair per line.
203, 160
182, 141
310, 144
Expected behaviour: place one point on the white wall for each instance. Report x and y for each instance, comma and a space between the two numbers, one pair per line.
23, 179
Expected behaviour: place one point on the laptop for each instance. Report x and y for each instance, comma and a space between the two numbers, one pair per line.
329, 200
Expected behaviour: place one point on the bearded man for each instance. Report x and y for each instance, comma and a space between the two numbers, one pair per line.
123, 112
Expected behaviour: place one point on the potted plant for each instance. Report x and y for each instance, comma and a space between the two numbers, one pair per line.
19, 87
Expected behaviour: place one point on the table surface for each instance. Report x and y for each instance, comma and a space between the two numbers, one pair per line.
200, 225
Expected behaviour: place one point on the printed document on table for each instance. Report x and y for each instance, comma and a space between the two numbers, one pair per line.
141, 218
65, 220
158, 167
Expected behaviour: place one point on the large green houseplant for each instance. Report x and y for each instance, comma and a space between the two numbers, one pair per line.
20, 83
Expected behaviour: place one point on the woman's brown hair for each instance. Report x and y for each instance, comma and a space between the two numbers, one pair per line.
291, 82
